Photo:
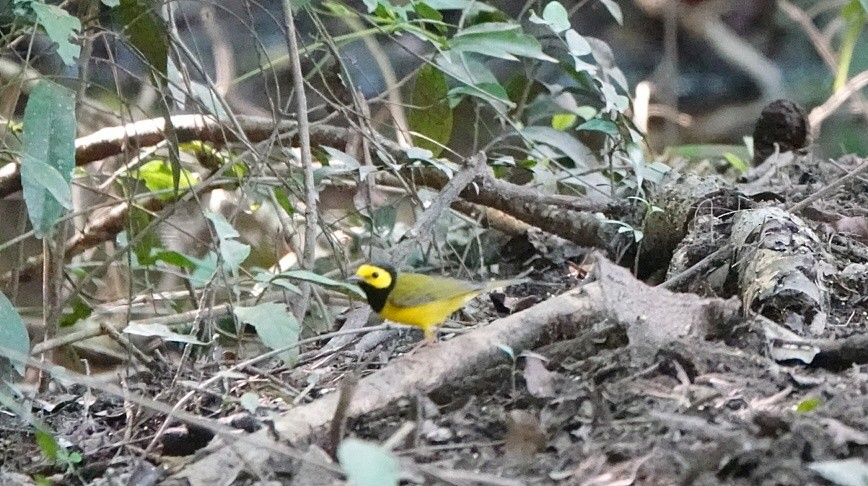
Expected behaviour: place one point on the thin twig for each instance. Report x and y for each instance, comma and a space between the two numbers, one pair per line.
422, 231
796, 208
311, 196
820, 113
722, 253
820, 42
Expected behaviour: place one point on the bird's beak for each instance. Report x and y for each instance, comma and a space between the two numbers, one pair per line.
354, 279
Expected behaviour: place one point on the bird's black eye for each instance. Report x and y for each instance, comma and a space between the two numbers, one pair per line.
375, 275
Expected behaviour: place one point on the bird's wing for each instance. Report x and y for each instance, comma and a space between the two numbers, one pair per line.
424, 289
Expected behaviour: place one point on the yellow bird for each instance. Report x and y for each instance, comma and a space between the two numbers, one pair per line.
418, 300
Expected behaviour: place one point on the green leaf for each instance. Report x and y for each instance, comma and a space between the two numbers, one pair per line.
48, 154
249, 401
555, 16
711, 151
854, 10
276, 327
69, 458
222, 227
487, 91
204, 270
600, 125
111, 3
430, 114
736, 162
344, 158
577, 44
367, 464
60, 27
283, 201
146, 32
173, 258
310, 277
501, 40
47, 444
337, 163
161, 331
465, 68
80, 310
614, 10
148, 244
425, 11
559, 142
808, 405
477, 80
425, 155
13, 335
563, 121
41, 174
472, 6
157, 176
233, 252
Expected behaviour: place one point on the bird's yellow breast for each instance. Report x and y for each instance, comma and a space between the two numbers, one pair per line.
426, 315
425, 301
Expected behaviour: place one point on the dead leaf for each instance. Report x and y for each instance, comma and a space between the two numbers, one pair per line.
540, 381
524, 435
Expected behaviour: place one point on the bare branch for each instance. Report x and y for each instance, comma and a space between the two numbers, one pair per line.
311, 197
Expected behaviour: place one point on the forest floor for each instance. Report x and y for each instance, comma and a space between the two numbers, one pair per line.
589, 408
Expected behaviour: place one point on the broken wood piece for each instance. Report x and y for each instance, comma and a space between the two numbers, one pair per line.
781, 267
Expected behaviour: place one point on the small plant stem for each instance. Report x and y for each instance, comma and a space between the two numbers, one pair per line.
311, 196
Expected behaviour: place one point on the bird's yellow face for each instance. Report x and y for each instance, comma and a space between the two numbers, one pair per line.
375, 276
377, 281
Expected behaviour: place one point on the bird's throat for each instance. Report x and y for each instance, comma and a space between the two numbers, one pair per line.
376, 297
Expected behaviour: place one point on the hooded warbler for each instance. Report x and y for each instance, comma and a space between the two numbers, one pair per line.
418, 300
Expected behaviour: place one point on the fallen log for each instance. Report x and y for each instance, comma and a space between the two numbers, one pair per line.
653, 317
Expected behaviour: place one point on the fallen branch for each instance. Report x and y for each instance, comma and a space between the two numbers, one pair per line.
654, 317
113, 141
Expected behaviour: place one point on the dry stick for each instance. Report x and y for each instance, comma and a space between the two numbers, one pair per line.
115, 140
527, 204
310, 210
820, 42
820, 113
424, 371
722, 253
339, 420
795, 208
494, 218
423, 230
107, 328
551, 213
180, 319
